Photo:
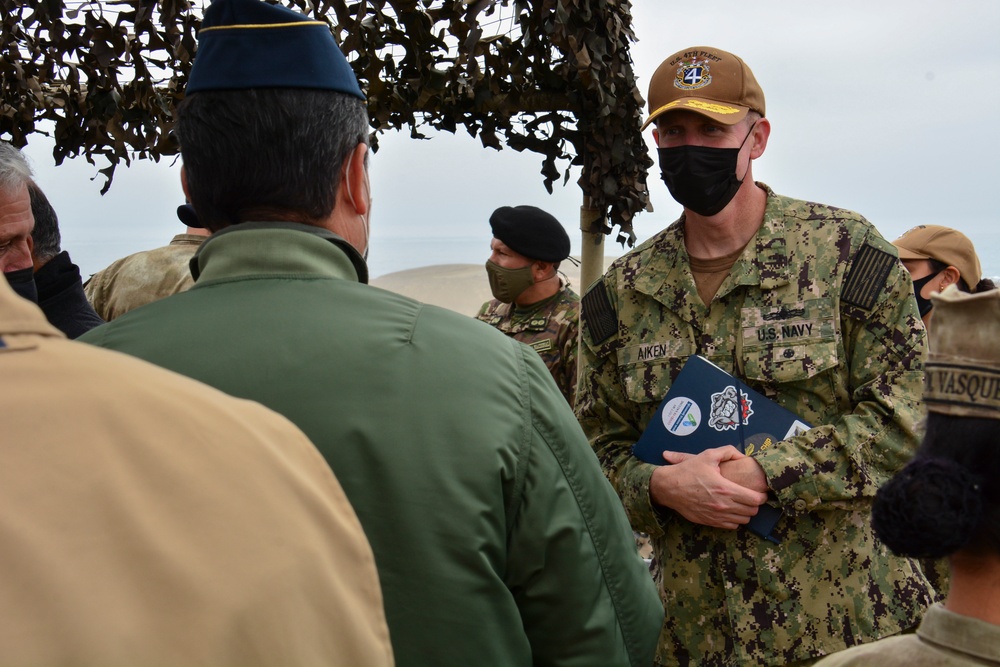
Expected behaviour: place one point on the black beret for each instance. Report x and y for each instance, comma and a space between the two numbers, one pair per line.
246, 44
186, 214
530, 231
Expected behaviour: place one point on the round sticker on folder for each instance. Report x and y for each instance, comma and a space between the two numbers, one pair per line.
681, 416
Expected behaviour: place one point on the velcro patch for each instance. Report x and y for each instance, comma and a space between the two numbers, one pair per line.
598, 315
543, 345
867, 277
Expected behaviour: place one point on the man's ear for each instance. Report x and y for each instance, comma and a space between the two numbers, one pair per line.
541, 270
354, 180
761, 131
656, 136
184, 183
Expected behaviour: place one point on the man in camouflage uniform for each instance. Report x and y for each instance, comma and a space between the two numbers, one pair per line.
809, 306
147, 276
531, 302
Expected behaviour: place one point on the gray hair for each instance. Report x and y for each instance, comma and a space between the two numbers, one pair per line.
14, 169
751, 118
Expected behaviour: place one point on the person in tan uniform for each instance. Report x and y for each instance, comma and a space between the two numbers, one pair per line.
147, 519
147, 276
937, 257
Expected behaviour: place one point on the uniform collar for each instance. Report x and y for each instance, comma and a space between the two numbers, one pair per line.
967, 635
765, 262
187, 239
276, 248
665, 270
532, 308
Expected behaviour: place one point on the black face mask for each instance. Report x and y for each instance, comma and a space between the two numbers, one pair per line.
22, 281
700, 178
923, 305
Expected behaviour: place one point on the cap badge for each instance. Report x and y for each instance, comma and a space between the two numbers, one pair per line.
693, 75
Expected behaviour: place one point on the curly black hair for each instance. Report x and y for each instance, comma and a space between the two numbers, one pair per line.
948, 497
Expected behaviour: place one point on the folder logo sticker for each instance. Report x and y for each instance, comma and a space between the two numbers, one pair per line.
796, 428
681, 416
728, 410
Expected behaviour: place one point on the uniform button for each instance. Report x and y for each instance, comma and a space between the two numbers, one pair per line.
789, 353
800, 505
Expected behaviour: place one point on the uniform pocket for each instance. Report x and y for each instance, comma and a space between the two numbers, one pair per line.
789, 343
646, 371
783, 364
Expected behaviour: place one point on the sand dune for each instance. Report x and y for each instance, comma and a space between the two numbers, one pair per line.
459, 287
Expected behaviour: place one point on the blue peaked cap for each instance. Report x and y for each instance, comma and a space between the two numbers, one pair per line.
250, 44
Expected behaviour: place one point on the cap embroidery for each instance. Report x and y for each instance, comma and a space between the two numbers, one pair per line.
693, 75
709, 106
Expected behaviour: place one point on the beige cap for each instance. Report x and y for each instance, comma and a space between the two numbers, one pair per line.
962, 373
944, 244
705, 80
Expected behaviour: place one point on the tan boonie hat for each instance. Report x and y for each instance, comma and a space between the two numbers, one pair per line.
946, 245
705, 80
962, 373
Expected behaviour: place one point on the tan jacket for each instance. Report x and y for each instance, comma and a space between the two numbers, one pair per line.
146, 519
143, 277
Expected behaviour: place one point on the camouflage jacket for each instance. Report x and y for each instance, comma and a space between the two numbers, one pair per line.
816, 314
550, 327
143, 277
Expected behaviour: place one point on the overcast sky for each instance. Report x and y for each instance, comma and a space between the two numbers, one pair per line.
887, 108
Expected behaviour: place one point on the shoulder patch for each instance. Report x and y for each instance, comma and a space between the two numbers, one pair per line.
598, 315
867, 277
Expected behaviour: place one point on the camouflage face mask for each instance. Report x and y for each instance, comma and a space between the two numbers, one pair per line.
508, 284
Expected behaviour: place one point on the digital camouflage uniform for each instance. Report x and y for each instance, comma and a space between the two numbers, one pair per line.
816, 314
143, 277
551, 327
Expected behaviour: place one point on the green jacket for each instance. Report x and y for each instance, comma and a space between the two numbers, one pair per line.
818, 315
497, 539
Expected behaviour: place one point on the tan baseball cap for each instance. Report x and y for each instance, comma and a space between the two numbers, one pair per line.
944, 244
705, 80
962, 370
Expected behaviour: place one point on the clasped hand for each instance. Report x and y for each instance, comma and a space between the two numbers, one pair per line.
719, 487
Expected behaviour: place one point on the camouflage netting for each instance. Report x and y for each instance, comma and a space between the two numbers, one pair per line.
550, 76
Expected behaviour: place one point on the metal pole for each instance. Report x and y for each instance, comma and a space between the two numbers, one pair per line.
592, 247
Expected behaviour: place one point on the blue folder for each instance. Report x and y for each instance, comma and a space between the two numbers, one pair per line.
707, 407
